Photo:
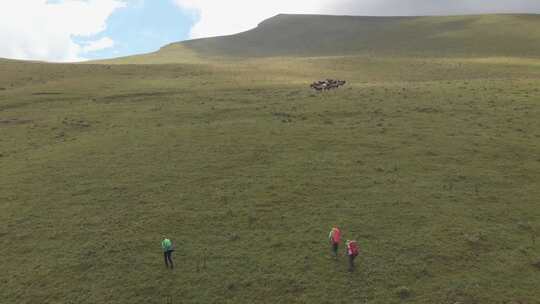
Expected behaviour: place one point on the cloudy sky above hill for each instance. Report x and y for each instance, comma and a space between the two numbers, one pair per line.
74, 30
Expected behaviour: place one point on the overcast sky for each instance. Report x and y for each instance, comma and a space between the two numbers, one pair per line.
74, 30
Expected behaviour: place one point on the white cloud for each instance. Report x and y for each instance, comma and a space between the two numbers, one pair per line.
431, 7
220, 17
45, 30
101, 44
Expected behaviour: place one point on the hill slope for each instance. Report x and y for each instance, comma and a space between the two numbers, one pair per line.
430, 163
312, 35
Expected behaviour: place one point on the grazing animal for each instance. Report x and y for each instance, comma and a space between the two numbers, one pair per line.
328, 84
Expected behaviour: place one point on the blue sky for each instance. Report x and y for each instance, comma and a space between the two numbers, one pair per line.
142, 27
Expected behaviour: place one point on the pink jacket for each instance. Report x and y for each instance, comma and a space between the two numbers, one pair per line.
335, 235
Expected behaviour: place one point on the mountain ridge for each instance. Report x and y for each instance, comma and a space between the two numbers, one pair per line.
312, 35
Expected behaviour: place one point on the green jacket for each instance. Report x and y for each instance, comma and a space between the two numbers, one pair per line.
166, 245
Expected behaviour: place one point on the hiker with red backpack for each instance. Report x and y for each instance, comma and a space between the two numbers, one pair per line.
335, 238
352, 252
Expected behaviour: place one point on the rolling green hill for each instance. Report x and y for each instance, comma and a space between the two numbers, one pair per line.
430, 162
485, 35
312, 35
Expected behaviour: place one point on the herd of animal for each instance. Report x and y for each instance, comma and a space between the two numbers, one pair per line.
328, 84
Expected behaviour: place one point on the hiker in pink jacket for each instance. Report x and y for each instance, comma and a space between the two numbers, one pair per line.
335, 238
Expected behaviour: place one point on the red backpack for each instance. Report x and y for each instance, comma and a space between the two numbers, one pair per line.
353, 248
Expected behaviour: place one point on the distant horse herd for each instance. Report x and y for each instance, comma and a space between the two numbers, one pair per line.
328, 84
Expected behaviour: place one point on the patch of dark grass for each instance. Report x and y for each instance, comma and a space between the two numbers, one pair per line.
47, 93
536, 264
403, 292
14, 121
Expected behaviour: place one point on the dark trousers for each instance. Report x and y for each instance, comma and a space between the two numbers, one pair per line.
334, 248
351, 262
167, 255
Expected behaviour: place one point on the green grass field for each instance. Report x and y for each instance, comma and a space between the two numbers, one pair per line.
431, 162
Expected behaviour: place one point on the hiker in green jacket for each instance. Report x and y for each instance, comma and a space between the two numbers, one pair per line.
168, 249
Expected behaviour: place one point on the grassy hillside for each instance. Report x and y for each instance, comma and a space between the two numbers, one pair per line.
301, 35
432, 164
476, 36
